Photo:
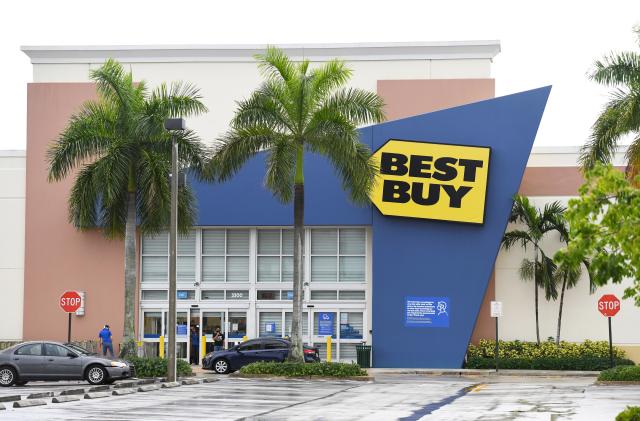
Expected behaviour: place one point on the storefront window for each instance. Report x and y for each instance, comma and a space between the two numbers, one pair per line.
154, 294
225, 255
237, 324
268, 294
270, 324
316, 323
211, 321
338, 255
288, 317
152, 324
351, 325
275, 255
155, 258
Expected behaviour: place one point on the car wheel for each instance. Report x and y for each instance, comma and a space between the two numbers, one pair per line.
8, 376
221, 366
96, 374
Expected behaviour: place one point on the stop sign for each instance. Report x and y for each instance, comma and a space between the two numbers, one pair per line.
70, 301
609, 305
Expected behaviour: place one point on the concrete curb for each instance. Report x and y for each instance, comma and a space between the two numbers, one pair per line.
187, 382
148, 388
617, 383
101, 388
209, 380
121, 392
26, 404
40, 395
169, 385
10, 398
97, 395
323, 378
72, 392
482, 372
63, 399
126, 384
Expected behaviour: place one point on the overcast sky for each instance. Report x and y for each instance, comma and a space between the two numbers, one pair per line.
543, 42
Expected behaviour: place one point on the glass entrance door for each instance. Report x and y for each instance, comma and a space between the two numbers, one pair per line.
210, 321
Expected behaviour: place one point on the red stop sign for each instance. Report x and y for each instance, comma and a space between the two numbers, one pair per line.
609, 305
70, 301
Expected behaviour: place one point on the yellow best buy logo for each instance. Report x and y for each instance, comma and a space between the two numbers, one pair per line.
432, 181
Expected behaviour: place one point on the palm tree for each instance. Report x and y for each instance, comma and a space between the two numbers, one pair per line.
122, 154
568, 273
296, 109
537, 223
621, 115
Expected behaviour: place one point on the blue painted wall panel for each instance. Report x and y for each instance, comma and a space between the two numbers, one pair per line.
434, 258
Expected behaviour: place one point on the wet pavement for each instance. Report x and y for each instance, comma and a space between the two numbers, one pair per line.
390, 397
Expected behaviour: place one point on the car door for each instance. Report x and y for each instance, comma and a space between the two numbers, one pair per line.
274, 351
249, 352
28, 359
60, 362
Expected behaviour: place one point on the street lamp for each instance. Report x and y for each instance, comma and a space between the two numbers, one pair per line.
172, 125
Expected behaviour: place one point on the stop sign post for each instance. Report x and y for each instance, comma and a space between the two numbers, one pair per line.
609, 306
69, 302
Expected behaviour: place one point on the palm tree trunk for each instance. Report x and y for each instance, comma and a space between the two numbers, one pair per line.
128, 346
298, 267
564, 286
535, 285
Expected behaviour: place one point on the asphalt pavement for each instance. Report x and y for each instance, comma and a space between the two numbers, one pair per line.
390, 397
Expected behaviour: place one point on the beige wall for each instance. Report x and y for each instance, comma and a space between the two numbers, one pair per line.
57, 257
12, 198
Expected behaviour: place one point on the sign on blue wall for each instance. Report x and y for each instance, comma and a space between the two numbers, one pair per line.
270, 327
426, 311
181, 329
325, 324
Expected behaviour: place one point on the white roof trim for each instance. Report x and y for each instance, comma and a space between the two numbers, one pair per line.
245, 53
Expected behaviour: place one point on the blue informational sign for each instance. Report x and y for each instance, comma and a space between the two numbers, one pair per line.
426, 312
181, 329
182, 295
289, 295
270, 327
325, 324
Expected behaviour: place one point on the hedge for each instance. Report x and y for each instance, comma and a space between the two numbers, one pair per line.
547, 363
518, 349
624, 373
304, 369
632, 413
157, 367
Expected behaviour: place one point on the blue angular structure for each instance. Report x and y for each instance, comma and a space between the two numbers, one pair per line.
411, 258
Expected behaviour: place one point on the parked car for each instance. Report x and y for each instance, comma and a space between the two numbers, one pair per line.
56, 361
262, 349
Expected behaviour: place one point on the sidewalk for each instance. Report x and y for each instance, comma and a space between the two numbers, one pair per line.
479, 372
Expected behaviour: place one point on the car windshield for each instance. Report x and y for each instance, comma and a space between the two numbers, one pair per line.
79, 349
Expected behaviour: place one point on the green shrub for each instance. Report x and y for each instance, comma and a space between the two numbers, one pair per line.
546, 363
632, 413
304, 369
623, 373
517, 349
157, 367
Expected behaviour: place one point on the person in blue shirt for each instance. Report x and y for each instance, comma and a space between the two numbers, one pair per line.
195, 342
105, 341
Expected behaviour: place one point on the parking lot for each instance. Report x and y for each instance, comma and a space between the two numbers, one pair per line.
390, 397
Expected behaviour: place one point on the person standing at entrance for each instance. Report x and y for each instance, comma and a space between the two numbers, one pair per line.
105, 341
195, 341
218, 340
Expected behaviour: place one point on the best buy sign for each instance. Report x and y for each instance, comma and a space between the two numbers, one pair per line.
432, 181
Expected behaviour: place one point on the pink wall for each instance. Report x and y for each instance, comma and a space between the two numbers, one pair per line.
57, 257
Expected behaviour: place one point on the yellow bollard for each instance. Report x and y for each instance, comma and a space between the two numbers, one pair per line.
203, 347
245, 338
161, 346
328, 349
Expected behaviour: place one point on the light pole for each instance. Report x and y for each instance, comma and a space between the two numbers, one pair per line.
172, 125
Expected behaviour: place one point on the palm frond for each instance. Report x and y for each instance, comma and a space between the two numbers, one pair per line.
262, 108
514, 237
617, 69
275, 64
84, 199
527, 270
281, 164
154, 191
235, 148
87, 135
358, 106
330, 76
620, 116
178, 100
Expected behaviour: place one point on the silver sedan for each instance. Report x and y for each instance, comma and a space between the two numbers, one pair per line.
56, 361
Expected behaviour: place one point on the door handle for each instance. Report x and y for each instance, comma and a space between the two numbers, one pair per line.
50, 359
16, 359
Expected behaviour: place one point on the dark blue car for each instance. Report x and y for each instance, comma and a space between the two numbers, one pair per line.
262, 349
